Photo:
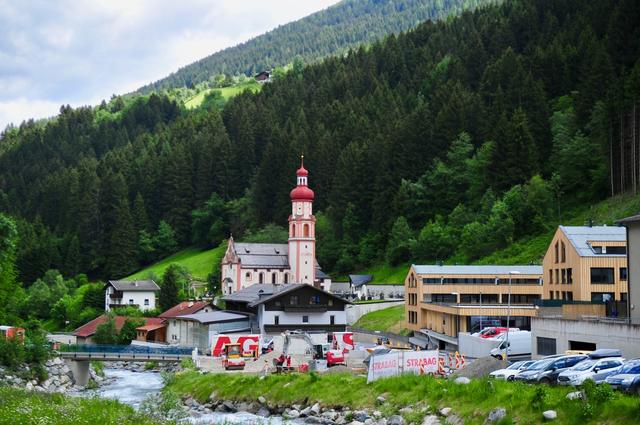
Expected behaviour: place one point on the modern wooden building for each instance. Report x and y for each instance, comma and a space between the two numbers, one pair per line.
442, 301
587, 264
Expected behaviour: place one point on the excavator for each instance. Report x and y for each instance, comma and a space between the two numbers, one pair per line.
319, 351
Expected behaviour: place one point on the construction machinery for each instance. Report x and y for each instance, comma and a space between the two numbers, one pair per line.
233, 358
318, 351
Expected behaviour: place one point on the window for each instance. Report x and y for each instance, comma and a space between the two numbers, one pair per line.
273, 277
602, 275
556, 251
431, 280
564, 276
546, 346
550, 276
330, 302
248, 275
569, 276
146, 301
286, 278
581, 345
306, 230
569, 295
563, 253
620, 250
293, 300
597, 249
623, 273
305, 319
131, 301
278, 303
261, 278
601, 297
276, 320
314, 300
332, 320
293, 230
557, 276
550, 295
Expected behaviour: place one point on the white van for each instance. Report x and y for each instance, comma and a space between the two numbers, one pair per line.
519, 344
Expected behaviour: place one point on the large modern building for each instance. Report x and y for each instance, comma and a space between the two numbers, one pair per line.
587, 264
442, 301
246, 264
277, 308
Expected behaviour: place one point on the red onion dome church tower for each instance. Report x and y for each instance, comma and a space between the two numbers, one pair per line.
302, 230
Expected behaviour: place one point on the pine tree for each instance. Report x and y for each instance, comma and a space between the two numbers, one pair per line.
172, 279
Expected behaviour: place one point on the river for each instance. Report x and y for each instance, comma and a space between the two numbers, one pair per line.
133, 388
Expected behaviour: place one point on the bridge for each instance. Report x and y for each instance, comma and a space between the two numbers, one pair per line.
78, 356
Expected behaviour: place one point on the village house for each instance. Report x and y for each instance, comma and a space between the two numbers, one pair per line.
84, 334
442, 301
141, 294
246, 264
183, 308
263, 77
197, 330
277, 308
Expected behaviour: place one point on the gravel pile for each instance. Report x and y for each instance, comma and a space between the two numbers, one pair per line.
480, 367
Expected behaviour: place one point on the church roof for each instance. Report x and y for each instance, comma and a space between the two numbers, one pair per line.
266, 255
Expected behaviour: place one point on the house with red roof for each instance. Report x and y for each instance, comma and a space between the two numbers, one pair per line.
84, 334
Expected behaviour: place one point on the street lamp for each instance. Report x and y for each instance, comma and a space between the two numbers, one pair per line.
506, 348
481, 311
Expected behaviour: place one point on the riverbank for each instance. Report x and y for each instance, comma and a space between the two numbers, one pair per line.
344, 398
19, 406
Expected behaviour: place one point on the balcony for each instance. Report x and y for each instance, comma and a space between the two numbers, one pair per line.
309, 308
117, 295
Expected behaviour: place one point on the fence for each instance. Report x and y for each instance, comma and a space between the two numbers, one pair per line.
124, 349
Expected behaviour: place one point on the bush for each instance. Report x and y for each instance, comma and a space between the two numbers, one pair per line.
150, 365
187, 364
12, 352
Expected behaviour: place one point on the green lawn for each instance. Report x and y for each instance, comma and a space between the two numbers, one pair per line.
524, 403
388, 320
199, 263
227, 93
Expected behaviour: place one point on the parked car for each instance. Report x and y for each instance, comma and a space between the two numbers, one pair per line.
546, 371
628, 378
510, 372
519, 344
596, 370
493, 331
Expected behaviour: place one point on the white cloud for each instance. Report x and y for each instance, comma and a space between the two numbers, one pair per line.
70, 52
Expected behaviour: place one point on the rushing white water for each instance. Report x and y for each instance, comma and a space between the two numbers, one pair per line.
133, 388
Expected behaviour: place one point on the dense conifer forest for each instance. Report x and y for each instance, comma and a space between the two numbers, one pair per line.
450, 140
332, 31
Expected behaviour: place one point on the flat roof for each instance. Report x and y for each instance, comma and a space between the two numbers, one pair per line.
475, 270
581, 236
213, 317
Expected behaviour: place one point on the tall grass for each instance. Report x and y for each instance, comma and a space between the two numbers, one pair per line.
524, 403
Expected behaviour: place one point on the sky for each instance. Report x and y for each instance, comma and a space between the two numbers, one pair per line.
78, 52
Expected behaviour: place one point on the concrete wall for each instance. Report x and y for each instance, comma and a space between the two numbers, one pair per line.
356, 311
604, 334
633, 247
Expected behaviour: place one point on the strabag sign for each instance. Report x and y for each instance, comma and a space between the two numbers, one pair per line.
398, 362
420, 362
383, 366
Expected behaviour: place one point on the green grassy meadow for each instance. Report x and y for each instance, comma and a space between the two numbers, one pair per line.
24, 407
227, 93
524, 403
388, 320
199, 263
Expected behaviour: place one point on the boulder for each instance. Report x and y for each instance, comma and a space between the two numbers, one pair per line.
263, 412
431, 420
462, 380
454, 420
576, 395
396, 420
360, 416
377, 414
229, 406
292, 414
445, 411
315, 409
381, 399
356, 423
306, 411
332, 415
261, 399
496, 415
549, 415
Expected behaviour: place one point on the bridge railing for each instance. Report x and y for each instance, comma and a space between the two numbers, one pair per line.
125, 349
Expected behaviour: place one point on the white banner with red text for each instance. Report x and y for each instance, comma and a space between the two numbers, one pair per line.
399, 362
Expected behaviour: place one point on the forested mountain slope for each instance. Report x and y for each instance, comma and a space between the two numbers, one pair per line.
334, 30
454, 139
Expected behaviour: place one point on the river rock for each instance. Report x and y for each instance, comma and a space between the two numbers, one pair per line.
496, 415
356, 423
382, 421
381, 399
306, 411
377, 414
360, 416
396, 420
549, 415
332, 415
445, 411
454, 420
431, 420
29, 386
261, 399
292, 414
263, 412
315, 409
229, 406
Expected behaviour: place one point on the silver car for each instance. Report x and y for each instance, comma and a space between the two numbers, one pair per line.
596, 370
510, 372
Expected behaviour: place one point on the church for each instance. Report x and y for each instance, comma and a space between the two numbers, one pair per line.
246, 264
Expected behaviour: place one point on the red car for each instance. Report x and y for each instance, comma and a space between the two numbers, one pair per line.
493, 332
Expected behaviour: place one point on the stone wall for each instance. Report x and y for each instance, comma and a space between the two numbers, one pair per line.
356, 311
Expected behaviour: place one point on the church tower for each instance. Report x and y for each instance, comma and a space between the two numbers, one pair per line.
302, 230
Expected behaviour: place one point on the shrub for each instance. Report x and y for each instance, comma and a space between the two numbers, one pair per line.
540, 397
187, 364
150, 365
